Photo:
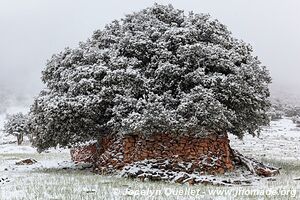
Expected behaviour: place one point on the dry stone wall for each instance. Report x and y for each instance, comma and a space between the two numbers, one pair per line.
210, 154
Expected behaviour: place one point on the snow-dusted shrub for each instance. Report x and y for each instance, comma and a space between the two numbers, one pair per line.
292, 111
157, 70
16, 125
296, 120
275, 114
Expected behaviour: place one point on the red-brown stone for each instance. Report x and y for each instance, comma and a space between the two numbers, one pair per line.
165, 146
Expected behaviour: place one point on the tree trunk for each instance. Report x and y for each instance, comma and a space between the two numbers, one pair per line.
20, 138
254, 166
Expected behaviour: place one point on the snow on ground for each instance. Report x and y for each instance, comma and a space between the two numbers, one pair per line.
54, 176
278, 141
11, 149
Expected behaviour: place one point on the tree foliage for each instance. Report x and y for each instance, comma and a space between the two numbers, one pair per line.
16, 125
157, 70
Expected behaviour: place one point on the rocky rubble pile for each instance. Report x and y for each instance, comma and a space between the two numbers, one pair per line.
177, 172
27, 161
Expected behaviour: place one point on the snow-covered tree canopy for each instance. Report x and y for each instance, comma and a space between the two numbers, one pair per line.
157, 70
16, 124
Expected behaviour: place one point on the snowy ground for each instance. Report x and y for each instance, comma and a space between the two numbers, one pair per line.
54, 176
279, 141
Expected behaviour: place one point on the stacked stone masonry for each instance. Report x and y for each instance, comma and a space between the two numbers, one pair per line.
210, 154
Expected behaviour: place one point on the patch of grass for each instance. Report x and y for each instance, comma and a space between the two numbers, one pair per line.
288, 167
63, 171
81, 185
67, 184
37, 156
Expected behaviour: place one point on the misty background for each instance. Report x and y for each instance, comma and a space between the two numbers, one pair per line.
32, 30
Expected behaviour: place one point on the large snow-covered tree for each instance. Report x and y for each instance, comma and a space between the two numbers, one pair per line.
157, 70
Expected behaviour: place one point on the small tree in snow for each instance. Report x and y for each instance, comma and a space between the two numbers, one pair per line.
292, 111
275, 114
16, 125
157, 70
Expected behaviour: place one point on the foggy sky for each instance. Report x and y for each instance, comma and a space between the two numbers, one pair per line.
32, 30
